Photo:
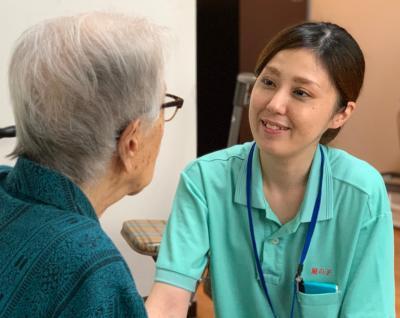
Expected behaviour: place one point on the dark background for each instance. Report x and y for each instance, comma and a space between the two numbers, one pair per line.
230, 35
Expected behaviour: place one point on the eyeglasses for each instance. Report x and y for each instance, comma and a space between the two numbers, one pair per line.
171, 106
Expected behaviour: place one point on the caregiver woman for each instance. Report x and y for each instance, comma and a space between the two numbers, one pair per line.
291, 227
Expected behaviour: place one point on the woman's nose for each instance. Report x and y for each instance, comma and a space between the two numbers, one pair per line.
278, 102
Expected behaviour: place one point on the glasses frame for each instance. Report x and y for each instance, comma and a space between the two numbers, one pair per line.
177, 103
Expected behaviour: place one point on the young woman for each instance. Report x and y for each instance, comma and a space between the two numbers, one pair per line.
290, 226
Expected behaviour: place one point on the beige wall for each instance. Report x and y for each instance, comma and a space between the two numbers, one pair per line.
179, 142
371, 133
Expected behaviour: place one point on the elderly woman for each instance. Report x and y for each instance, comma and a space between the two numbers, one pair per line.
87, 93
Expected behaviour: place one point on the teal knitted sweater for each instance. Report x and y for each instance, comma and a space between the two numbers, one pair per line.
55, 260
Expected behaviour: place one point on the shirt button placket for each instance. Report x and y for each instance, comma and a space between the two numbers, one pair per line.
274, 241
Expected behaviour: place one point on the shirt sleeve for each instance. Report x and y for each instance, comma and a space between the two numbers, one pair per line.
370, 291
106, 290
185, 244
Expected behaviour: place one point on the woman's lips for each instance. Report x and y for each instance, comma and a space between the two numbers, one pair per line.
273, 126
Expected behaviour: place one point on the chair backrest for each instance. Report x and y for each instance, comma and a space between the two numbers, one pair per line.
239, 130
8, 132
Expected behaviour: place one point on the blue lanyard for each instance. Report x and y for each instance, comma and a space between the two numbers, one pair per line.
308, 238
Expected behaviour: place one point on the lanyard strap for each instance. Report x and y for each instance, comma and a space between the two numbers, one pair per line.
314, 217
253, 240
309, 234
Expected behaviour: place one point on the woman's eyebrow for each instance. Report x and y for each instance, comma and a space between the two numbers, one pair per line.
272, 70
298, 79
303, 80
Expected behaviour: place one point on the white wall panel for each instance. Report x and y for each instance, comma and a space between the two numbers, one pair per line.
179, 144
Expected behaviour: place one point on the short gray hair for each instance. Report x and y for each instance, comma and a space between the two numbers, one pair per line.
76, 82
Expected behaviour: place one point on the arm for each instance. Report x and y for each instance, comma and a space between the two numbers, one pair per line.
167, 301
183, 252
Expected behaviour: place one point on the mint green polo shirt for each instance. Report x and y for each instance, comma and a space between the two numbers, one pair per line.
352, 244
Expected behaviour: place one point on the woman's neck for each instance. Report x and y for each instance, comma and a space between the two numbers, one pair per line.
284, 182
103, 192
288, 173
101, 196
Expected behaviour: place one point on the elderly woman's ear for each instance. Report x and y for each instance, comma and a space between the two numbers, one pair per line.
128, 145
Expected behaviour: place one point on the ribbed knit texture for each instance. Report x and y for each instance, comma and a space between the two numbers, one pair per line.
55, 260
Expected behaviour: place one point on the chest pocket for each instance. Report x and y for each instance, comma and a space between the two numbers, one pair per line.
319, 305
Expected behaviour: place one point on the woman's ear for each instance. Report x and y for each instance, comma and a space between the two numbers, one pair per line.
129, 144
342, 115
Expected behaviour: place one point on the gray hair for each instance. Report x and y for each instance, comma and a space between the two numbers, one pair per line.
76, 82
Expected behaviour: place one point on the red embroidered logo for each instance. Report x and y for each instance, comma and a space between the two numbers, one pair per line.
321, 271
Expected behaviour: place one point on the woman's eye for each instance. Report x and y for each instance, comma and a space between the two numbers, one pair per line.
267, 82
301, 93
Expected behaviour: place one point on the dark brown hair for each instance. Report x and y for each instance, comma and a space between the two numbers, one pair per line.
338, 52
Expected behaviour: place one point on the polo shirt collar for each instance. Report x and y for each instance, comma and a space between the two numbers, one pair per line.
310, 196
257, 194
306, 209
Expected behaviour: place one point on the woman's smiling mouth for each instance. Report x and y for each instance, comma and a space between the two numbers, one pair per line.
273, 126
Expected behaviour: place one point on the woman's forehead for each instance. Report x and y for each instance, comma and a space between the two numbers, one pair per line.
301, 65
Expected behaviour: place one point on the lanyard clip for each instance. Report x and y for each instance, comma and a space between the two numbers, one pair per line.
299, 284
299, 279
299, 271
